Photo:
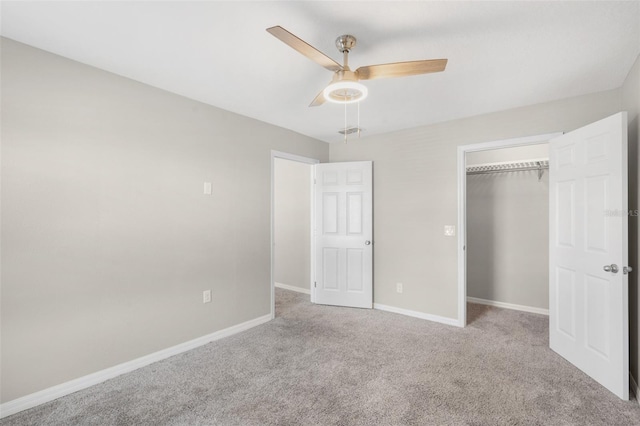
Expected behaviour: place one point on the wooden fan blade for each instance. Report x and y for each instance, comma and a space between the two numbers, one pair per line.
305, 48
318, 100
401, 69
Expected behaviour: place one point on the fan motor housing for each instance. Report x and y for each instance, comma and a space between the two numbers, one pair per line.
344, 75
345, 43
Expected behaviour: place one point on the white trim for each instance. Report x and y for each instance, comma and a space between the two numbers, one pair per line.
55, 392
292, 288
508, 143
293, 157
462, 239
633, 385
511, 306
462, 201
299, 159
416, 314
312, 228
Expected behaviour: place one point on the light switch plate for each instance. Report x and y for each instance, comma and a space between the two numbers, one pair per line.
207, 188
450, 230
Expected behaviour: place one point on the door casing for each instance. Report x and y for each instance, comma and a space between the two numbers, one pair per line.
311, 162
462, 206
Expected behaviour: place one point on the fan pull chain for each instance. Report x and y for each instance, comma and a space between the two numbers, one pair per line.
345, 123
358, 120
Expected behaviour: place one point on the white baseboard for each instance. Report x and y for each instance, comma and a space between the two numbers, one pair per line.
513, 306
55, 392
416, 314
292, 288
634, 387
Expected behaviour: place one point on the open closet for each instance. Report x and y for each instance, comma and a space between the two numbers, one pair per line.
508, 228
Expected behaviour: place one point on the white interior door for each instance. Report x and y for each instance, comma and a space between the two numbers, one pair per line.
343, 234
588, 317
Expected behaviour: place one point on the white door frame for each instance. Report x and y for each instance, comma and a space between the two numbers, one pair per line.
299, 159
462, 206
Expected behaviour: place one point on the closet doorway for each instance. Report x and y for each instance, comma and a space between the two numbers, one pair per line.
507, 197
490, 156
588, 246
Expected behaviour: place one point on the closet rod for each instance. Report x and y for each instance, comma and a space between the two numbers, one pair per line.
538, 165
515, 169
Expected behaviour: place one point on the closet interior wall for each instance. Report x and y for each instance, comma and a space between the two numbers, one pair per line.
508, 230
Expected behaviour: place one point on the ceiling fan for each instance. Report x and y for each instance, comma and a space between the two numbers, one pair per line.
345, 87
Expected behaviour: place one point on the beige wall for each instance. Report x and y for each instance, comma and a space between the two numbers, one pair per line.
107, 238
508, 230
416, 193
292, 236
108, 241
631, 103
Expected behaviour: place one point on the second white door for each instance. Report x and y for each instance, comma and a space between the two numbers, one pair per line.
588, 318
343, 234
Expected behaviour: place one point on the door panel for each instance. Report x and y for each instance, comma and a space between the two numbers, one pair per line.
354, 213
343, 234
566, 289
330, 213
355, 269
330, 268
588, 311
565, 199
596, 204
597, 321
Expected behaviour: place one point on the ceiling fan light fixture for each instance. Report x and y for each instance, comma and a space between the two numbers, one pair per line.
345, 92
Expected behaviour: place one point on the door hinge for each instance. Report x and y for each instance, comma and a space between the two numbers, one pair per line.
315, 284
314, 181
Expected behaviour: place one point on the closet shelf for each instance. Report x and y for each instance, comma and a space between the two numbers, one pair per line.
521, 166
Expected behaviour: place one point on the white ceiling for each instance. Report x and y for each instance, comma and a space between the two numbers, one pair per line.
501, 54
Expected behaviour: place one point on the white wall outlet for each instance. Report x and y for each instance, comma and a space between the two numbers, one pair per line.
399, 287
450, 230
207, 188
206, 296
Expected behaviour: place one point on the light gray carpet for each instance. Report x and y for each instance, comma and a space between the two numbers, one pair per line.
320, 365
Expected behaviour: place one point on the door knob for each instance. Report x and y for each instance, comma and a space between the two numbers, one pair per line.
611, 268
627, 269
366, 243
